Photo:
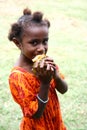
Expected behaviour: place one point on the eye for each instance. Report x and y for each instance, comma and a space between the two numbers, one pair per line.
34, 42
45, 41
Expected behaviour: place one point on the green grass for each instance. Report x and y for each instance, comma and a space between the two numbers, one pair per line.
68, 47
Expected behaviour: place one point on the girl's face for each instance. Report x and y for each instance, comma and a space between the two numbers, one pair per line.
34, 41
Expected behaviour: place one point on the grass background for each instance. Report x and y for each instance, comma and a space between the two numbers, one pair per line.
68, 47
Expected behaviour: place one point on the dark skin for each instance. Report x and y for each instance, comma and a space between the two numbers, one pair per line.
35, 42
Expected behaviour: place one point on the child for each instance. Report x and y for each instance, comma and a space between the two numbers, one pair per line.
35, 92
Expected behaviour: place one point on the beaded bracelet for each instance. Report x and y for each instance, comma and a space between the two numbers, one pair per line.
42, 100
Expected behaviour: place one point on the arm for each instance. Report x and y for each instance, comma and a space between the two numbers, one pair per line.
61, 85
45, 76
43, 94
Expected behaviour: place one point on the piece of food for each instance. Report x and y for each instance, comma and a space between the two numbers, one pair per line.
38, 58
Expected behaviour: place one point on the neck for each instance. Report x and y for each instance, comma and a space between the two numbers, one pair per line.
25, 63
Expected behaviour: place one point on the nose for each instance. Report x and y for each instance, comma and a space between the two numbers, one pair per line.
41, 49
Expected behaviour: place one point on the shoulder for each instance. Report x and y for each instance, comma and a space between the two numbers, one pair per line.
20, 75
19, 71
16, 71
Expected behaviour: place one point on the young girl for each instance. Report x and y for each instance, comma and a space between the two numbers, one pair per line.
35, 92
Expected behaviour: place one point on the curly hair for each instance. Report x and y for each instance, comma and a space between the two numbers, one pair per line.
27, 19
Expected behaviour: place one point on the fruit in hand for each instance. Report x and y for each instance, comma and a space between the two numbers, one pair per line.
38, 58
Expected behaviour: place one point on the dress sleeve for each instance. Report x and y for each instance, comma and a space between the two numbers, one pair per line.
22, 91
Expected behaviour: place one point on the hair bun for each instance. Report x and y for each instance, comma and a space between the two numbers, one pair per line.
37, 16
27, 11
48, 23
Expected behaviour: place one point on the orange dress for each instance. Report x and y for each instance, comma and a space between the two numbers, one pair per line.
24, 87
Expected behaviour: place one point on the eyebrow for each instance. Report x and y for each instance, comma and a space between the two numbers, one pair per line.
37, 39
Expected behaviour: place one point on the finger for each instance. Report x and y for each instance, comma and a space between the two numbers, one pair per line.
52, 69
36, 64
48, 67
48, 59
42, 64
51, 63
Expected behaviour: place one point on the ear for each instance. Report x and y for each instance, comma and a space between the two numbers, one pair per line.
17, 43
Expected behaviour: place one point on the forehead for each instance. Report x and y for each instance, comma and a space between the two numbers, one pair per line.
36, 31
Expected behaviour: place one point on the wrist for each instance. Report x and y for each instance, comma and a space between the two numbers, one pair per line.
45, 85
41, 100
46, 81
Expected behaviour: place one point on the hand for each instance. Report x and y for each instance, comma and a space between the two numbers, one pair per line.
45, 69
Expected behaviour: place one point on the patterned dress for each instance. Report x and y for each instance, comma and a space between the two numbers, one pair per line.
24, 87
